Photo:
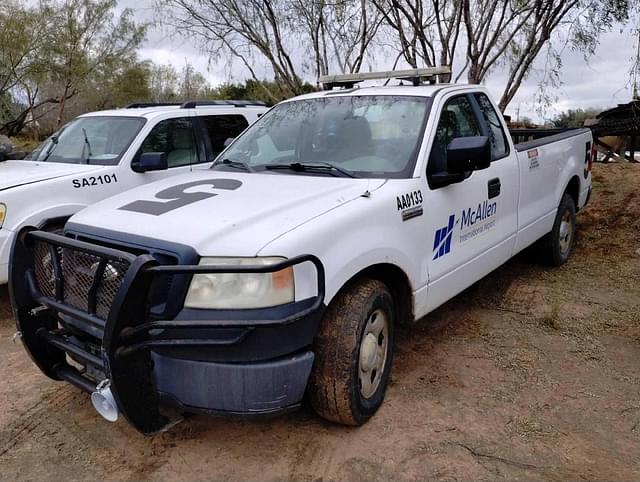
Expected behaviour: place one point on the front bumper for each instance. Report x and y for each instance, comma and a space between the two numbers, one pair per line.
92, 304
6, 238
233, 388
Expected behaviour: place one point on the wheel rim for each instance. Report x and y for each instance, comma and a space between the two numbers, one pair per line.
566, 232
374, 347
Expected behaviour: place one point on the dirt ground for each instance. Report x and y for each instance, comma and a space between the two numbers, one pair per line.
534, 373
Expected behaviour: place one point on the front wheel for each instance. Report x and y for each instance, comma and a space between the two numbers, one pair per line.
353, 353
557, 245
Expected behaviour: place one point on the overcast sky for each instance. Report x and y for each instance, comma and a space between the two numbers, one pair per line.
602, 82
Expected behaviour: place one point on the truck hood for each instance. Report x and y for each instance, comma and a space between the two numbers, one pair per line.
18, 173
247, 211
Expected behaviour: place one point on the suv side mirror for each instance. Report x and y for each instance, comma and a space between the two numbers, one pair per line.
466, 154
150, 161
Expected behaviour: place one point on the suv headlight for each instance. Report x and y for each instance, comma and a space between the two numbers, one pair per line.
3, 211
240, 290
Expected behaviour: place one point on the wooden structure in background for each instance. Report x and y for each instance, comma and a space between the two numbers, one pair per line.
617, 131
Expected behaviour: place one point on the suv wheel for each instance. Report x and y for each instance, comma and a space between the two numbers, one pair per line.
353, 354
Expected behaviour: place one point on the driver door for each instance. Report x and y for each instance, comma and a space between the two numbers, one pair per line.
474, 221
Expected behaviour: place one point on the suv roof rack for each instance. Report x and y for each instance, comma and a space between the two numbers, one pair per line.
141, 105
234, 103
416, 76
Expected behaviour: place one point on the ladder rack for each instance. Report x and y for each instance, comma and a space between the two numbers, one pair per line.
415, 76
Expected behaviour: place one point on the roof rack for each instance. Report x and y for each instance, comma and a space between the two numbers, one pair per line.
415, 76
198, 103
234, 103
141, 105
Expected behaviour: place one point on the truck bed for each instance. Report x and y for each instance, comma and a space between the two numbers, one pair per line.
541, 137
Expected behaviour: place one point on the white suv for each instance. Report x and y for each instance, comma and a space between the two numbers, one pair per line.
104, 153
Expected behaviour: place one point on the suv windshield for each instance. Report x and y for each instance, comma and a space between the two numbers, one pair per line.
362, 135
90, 140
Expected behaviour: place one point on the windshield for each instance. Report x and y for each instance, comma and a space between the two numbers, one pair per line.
366, 135
90, 140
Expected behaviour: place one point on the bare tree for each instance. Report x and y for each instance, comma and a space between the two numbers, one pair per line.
350, 28
425, 32
506, 33
545, 23
89, 37
491, 27
312, 17
241, 29
297, 38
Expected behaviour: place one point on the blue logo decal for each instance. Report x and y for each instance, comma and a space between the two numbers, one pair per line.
442, 241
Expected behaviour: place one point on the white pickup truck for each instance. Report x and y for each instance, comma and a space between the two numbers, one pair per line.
285, 267
104, 153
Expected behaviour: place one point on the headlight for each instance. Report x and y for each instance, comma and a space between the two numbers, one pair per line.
3, 211
240, 290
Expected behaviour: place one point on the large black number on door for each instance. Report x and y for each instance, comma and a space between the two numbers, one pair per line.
176, 197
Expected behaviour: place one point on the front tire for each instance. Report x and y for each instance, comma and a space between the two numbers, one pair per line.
558, 244
353, 354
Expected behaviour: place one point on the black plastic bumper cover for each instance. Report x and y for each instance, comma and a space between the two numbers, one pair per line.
132, 342
248, 388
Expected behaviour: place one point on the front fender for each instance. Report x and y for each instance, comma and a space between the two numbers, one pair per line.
356, 236
40, 217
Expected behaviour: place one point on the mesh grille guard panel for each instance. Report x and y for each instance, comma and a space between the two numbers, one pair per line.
43, 257
86, 281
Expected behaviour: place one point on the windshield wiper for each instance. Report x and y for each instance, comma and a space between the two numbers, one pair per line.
52, 146
86, 144
236, 164
300, 167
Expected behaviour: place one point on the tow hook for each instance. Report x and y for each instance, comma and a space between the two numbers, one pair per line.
103, 401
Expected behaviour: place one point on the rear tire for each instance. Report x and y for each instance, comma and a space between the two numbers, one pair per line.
353, 354
558, 244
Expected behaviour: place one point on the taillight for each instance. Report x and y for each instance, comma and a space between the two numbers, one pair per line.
589, 157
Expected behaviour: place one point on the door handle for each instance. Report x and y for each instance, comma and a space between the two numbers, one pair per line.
494, 187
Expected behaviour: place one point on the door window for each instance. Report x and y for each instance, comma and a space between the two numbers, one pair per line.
175, 138
497, 137
456, 120
219, 128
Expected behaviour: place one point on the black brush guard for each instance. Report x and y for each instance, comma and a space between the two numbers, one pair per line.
104, 293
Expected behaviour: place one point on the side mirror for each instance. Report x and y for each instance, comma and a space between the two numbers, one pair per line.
228, 141
150, 161
466, 154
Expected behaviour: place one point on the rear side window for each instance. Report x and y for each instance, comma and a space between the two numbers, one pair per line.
219, 128
497, 137
175, 138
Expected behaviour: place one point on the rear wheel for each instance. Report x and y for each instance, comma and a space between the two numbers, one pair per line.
557, 245
354, 350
